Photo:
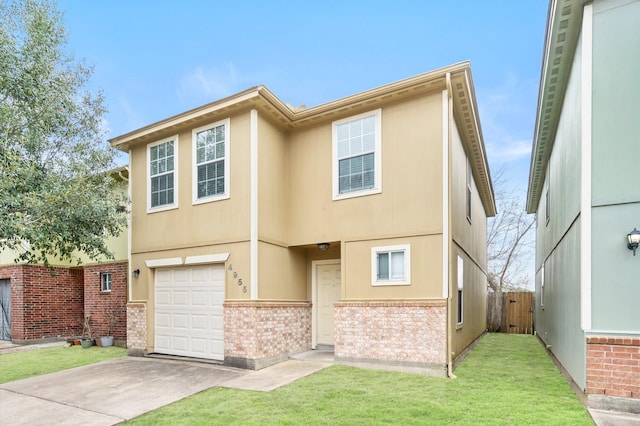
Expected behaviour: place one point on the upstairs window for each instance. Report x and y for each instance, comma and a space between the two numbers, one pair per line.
105, 282
357, 155
162, 160
391, 265
211, 168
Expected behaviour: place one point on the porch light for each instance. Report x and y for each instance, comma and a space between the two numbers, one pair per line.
633, 239
136, 273
325, 246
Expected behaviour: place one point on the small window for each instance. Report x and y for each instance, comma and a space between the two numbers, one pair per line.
105, 281
391, 265
547, 207
542, 286
460, 290
162, 161
357, 156
211, 162
469, 183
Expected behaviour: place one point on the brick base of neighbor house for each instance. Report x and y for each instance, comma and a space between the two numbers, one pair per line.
46, 304
412, 334
137, 329
258, 334
613, 373
98, 304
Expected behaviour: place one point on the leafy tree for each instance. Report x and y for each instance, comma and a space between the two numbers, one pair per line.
56, 197
509, 241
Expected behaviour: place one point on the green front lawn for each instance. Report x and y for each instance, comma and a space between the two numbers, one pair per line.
506, 379
23, 364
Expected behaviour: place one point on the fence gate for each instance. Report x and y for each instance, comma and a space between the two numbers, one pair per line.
5, 310
519, 313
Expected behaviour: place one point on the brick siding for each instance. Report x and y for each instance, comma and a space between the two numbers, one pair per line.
613, 366
137, 328
45, 303
405, 333
99, 304
261, 330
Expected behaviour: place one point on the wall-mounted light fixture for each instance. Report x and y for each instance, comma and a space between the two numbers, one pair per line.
323, 246
136, 273
633, 240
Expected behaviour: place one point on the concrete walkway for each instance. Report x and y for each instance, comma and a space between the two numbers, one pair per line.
116, 390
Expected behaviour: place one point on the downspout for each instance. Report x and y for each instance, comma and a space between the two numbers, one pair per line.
446, 231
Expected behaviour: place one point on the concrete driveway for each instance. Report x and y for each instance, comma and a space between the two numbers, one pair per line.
113, 391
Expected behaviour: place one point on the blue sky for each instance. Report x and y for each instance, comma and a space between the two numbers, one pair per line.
156, 59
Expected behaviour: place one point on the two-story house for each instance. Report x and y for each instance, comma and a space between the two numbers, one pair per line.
261, 230
585, 191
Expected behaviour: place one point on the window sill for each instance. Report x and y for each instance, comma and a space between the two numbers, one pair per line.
161, 209
211, 199
337, 197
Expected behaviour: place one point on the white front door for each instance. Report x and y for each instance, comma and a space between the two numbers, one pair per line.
188, 311
327, 294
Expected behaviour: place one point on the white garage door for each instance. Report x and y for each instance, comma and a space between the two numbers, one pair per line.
188, 311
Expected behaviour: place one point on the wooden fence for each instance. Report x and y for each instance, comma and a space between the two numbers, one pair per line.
510, 312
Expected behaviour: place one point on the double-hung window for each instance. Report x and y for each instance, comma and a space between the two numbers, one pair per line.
105, 282
357, 155
162, 160
211, 162
391, 265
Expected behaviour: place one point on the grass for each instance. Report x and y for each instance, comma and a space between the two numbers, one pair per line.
24, 364
506, 379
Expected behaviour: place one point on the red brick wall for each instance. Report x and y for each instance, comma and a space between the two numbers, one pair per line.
97, 303
613, 366
44, 303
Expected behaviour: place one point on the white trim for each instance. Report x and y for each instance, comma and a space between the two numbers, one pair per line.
254, 204
445, 192
585, 191
314, 296
377, 157
206, 258
194, 162
158, 263
174, 205
406, 280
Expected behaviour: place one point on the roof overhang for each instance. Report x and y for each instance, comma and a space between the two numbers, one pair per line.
263, 100
564, 21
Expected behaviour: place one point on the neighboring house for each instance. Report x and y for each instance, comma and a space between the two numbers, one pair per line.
261, 230
38, 303
585, 191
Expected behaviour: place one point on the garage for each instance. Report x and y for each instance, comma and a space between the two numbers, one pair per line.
188, 311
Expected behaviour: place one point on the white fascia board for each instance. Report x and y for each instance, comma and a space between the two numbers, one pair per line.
159, 263
206, 258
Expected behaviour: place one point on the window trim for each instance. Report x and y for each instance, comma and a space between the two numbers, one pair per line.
377, 157
109, 280
460, 293
176, 146
406, 248
194, 163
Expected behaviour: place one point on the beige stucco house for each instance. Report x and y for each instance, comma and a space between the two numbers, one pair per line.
259, 230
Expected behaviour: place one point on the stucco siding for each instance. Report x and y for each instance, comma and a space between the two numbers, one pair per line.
410, 202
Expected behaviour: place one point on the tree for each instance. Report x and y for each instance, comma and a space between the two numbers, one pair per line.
56, 196
509, 242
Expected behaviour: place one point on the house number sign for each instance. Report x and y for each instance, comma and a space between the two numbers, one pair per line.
235, 276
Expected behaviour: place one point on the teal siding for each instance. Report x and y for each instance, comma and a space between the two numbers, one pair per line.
616, 114
558, 241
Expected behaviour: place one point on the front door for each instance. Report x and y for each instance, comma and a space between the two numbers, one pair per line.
328, 293
5, 310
